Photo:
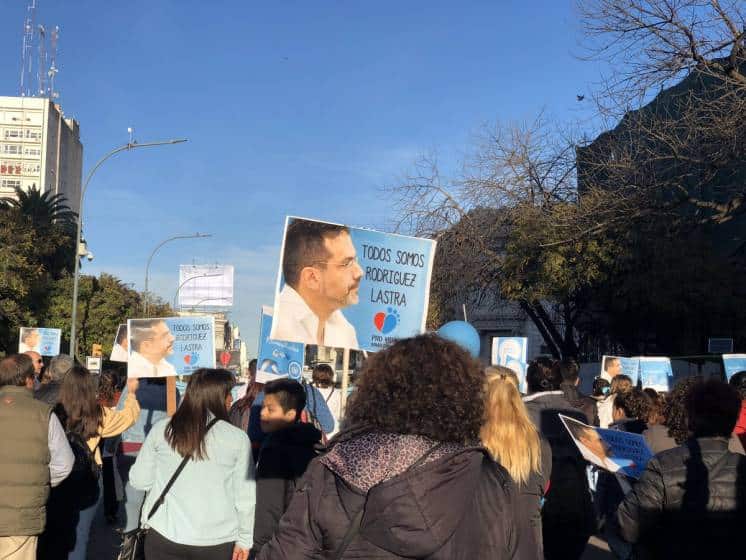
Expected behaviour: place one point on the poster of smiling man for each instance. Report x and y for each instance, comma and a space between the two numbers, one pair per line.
164, 347
45, 342
350, 288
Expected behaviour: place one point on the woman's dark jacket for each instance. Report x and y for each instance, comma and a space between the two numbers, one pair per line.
458, 506
690, 502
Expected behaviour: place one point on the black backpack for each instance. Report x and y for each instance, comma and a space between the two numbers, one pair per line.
80, 489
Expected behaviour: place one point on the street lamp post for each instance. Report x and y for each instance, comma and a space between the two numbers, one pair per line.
76, 274
150, 258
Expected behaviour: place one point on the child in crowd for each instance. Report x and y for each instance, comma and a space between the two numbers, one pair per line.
284, 456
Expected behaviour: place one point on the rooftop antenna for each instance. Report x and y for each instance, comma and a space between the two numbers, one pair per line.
52, 72
131, 132
27, 46
41, 67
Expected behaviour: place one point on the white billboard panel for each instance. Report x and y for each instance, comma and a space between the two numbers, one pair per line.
205, 285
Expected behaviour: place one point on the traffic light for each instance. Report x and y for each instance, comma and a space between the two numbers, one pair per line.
96, 351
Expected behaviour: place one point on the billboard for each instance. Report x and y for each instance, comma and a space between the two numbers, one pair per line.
346, 287
205, 285
45, 342
277, 358
163, 347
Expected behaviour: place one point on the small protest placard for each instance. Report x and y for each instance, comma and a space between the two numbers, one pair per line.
511, 352
120, 348
277, 358
45, 342
612, 450
165, 347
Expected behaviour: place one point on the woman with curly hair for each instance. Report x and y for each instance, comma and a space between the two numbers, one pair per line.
513, 441
407, 478
675, 431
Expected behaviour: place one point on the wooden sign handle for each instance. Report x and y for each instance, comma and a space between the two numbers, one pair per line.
171, 395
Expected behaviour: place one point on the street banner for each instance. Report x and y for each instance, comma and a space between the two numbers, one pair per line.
205, 285
119, 350
511, 352
612, 450
170, 346
276, 358
733, 363
350, 288
656, 372
45, 342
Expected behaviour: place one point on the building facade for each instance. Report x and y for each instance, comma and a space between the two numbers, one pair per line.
39, 148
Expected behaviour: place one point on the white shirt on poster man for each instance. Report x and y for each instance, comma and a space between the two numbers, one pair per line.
118, 354
138, 366
296, 322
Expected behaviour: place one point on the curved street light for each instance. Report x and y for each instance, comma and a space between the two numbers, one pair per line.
146, 295
76, 278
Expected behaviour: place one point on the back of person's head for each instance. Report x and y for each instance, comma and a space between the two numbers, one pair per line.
16, 370
502, 370
323, 375
601, 387
59, 366
206, 397
542, 376
107, 386
738, 382
424, 385
621, 384
78, 398
657, 413
712, 408
508, 433
676, 412
568, 369
635, 404
289, 393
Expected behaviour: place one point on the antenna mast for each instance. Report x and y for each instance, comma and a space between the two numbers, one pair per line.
52, 72
28, 45
41, 67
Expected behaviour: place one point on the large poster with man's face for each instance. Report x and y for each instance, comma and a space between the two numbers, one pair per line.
45, 342
164, 347
350, 288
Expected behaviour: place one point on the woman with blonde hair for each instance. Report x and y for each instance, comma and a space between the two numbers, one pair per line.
513, 441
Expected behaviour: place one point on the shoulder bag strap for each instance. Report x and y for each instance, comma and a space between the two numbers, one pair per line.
329, 396
356, 522
176, 474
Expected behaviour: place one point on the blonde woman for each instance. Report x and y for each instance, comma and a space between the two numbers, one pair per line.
513, 441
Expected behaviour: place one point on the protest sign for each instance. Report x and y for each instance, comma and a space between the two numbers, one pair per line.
733, 363
511, 352
612, 450
119, 350
93, 364
205, 285
655, 372
350, 288
614, 365
45, 342
170, 346
277, 358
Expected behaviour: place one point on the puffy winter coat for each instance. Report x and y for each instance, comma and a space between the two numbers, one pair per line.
690, 502
456, 504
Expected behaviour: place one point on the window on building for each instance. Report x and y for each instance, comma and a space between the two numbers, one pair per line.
32, 151
13, 133
10, 184
12, 149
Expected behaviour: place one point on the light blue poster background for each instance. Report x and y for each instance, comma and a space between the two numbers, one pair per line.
656, 373
627, 450
48, 341
277, 357
733, 363
395, 287
630, 367
511, 352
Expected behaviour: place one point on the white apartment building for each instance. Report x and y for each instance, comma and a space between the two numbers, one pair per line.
39, 147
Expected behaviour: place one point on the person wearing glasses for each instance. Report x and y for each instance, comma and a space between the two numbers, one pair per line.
322, 276
151, 342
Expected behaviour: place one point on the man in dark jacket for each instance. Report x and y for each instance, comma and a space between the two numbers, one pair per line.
691, 500
286, 451
569, 371
567, 516
50, 385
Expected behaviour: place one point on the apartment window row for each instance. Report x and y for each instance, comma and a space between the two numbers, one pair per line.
10, 184
19, 149
20, 134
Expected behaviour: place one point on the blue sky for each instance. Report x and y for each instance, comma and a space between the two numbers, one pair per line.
290, 107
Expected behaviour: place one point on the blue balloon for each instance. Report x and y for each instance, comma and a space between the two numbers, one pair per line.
463, 334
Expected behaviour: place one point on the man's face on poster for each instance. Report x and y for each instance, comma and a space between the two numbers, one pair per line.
590, 439
160, 344
339, 275
31, 338
613, 367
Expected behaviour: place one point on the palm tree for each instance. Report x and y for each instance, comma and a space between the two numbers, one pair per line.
42, 209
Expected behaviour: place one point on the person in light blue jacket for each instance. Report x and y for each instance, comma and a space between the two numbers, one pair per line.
209, 511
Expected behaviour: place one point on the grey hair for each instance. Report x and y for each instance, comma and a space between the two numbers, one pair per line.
59, 366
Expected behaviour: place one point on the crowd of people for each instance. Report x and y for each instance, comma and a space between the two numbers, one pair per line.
435, 457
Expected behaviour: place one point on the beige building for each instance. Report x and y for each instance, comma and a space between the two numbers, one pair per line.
39, 147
